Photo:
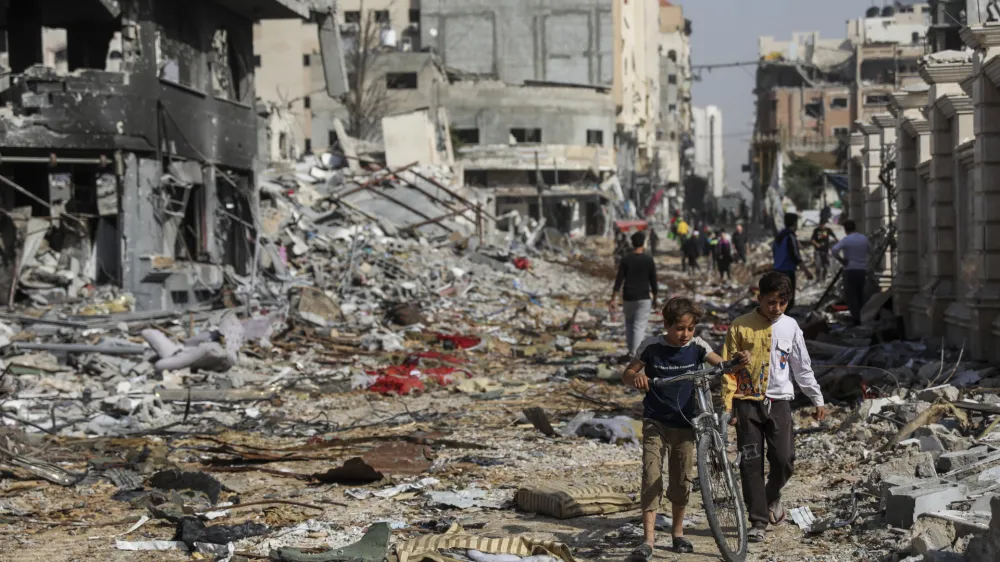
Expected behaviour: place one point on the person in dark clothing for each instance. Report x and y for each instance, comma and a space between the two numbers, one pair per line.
637, 281
825, 214
822, 239
654, 241
724, 255
787, 257
707, 246
622, 247
691, 250
739, 240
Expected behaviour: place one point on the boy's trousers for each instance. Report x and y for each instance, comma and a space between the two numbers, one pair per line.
755, 428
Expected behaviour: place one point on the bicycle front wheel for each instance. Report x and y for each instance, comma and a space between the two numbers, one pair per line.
720, 493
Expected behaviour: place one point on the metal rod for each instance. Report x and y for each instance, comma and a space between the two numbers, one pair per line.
375, 180
50, 160
432, 221
449, 192
83, 348
24, 319
431, 196
403, 205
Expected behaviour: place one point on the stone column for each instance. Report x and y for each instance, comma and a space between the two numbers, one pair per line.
919, 325
957, 317
856, 193
886, 123
905, 106
872, 159
938, 291
983, 264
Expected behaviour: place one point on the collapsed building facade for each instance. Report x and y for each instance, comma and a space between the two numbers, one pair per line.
134, 165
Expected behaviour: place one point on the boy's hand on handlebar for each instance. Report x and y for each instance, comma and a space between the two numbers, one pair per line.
743, 357
732, 419
640, 382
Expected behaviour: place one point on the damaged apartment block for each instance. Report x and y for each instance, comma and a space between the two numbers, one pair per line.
129, 144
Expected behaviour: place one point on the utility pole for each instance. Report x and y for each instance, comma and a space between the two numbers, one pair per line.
538, 186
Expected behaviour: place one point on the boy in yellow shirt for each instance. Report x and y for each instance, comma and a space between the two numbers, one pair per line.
760, 394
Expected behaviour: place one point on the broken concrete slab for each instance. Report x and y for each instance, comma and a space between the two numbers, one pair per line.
905, 503
986, 548
951, 461
920, 465
941, 392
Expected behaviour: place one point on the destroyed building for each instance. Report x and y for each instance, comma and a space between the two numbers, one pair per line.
134, 164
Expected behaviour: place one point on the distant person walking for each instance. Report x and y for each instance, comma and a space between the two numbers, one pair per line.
691, 250
822, 239
786, 252
854, 248
724, 255
637, 281
740, 244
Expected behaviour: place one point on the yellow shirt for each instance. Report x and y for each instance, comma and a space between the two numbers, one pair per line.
750, 332
682, 228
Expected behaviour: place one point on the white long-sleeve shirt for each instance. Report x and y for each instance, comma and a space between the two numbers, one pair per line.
790, 358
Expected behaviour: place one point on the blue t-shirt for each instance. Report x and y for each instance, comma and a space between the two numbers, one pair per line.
673, 405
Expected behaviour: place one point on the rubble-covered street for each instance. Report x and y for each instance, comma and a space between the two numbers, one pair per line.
390, 379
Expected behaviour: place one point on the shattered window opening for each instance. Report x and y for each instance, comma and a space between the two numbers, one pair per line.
381, 16
466, 136
401, 80
595, 137
838, 103
179, 46
352, 16
527, 135
814, 109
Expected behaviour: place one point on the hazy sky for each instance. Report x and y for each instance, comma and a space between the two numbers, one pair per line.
727, 31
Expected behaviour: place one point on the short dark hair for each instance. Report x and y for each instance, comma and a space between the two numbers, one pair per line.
775, 282
849, 226
677, 308
791, 219
638, 240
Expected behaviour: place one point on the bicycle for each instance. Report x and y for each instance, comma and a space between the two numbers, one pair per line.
720, 492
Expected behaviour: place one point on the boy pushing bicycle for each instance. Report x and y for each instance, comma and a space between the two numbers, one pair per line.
667, 414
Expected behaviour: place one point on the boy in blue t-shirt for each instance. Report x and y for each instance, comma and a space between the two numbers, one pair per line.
667, 415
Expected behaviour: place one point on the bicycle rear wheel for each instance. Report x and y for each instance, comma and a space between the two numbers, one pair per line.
720, 493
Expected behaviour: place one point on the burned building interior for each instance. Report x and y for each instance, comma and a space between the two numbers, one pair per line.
128, 140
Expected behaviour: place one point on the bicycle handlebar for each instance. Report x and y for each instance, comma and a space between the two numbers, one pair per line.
716, 370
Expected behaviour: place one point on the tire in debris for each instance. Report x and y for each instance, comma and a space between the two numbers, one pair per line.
720, 493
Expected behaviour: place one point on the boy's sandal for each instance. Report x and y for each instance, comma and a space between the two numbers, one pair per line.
683, 545
756, 534
641, 553
777, 513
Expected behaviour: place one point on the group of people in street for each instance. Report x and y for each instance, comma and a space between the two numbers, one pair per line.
717, 248
757, 393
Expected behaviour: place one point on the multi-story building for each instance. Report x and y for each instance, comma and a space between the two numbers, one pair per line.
811, 92
137, 157
674, 134
708, 181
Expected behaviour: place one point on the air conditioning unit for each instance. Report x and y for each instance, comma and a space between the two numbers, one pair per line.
350, 28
